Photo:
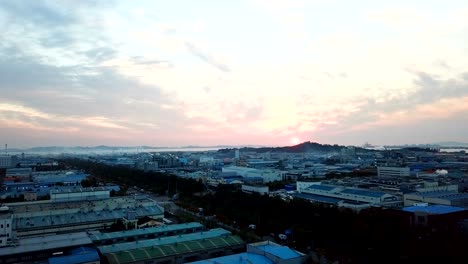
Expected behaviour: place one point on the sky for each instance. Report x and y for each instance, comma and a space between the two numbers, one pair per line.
219, 72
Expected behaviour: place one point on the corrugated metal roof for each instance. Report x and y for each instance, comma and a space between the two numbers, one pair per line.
242, 258
317, 198
218, 232
145, 231
80, 255
41, 243
73, 216
321, 187
434, 209
141, 254
363, 192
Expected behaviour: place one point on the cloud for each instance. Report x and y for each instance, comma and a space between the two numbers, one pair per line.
160, 63
7, 107
41, 13
206, 57
419, 104
100, 54
241, 111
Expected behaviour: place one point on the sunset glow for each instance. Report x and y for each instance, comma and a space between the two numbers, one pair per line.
233, 72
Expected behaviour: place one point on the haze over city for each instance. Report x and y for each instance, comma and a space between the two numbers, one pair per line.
263, 72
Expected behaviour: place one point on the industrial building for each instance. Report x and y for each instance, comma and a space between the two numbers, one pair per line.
99, 238
435, 216
393, 171
41, 248
266, 175
261, 189
174, 249
356, 198
266, 252
81, 255
79, 194
88, 210
451, 198
179, 243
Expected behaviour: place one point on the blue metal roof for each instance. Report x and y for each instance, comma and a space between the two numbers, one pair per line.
434, 209
280, 251
80, 255
363, 192
321, 187
242, 258
317, 198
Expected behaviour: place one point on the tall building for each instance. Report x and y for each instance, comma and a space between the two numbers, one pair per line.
237, 154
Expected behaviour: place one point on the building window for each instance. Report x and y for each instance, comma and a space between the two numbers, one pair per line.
7, 225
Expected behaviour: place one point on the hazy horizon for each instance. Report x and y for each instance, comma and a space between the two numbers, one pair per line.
450, 144
249, 72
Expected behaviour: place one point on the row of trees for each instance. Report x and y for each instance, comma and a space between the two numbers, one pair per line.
370, 236
156, 182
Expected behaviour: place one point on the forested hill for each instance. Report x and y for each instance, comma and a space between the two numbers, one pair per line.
301, 148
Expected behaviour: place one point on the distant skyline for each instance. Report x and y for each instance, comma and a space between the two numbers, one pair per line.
247, 72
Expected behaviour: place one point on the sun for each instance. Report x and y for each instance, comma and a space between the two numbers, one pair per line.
295, 140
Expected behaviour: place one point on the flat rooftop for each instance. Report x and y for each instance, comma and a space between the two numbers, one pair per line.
281, 252
78, 190
317, 198
363, 192
434, 209
47, 242
85, 205
75, 217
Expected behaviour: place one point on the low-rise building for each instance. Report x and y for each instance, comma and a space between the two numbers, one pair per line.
265, 252
39, 248
43, 217
174, 249
145, 233
435, 216
261, 189
6, 226
79, 194
345, 196
451, 198
393, 171
267, 175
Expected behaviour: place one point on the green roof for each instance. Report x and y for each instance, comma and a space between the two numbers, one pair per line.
213, 233
154, 252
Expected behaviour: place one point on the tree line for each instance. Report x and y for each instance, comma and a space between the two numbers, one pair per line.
374, 235
156, 182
